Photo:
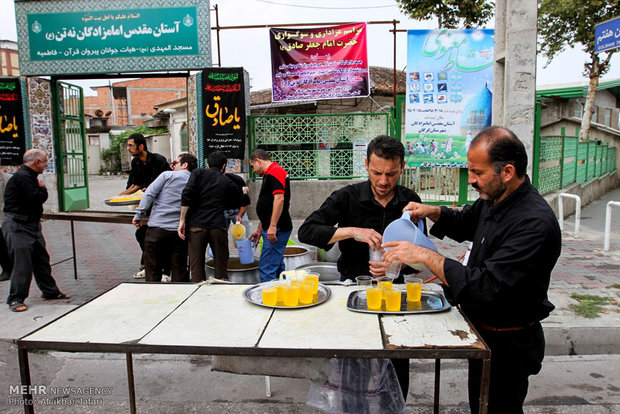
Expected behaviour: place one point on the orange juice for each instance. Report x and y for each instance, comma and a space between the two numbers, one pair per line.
306, 292
315, 280
414, 292
385, 285
280, 288
392, 300
270, 296
373, 298
291, 295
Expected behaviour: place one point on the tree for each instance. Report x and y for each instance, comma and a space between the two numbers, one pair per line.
452, 14
564, 23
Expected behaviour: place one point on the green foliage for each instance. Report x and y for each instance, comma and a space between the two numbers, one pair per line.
589, 306
112, 156
563, 23
452, 14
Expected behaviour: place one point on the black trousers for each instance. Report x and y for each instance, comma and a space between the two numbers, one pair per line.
197, 241
27, 249
515, 355
5, 257
163, 247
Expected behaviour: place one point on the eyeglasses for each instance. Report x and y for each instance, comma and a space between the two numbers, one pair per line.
131, 145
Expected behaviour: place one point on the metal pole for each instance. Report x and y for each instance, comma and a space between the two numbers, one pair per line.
24, 372
437, 383
130, 384
608, 222
217, 28
394, 81
75, 276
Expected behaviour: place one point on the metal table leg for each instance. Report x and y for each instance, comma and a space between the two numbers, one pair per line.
130, 384
437, 381
485, 380
24, 372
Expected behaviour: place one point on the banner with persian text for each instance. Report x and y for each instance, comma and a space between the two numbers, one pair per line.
90, 36
449, 100
320, 63
224, 118
12, 135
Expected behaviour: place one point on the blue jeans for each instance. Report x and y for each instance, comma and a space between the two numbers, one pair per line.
271, 262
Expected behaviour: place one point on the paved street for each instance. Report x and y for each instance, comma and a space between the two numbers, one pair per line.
580, 374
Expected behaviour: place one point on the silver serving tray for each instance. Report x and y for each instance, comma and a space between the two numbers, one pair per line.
254, 295
111, 202
430, 302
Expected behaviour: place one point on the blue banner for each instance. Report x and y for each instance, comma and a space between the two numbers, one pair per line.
449, 84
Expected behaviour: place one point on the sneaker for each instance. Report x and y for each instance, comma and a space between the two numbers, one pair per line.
140, 275
166, 278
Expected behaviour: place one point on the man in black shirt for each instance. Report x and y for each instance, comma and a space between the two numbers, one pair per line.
203, 201
145, 168
23, 207
362, 212
502, 288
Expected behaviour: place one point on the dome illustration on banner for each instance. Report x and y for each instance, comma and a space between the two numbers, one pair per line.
477, 112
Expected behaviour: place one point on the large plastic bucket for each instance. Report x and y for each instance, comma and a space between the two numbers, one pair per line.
246, 253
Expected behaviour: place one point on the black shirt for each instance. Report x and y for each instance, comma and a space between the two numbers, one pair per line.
275, 181
516, 244
353, 206
207, 194
240, 183
143, 174
23, 195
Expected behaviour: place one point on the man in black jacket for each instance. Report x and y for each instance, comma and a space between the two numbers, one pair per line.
23, 207
205, 197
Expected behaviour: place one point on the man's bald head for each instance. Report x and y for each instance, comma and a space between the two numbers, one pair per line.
35, 159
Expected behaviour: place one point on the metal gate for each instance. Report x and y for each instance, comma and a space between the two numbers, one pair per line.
71, 147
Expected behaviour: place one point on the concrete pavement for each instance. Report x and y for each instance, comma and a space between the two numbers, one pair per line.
108, 254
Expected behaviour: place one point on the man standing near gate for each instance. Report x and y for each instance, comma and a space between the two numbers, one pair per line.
275, 224
23, 207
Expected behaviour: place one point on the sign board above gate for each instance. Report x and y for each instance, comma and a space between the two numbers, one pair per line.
94, 36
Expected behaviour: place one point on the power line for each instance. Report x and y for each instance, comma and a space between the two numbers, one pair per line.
325, 8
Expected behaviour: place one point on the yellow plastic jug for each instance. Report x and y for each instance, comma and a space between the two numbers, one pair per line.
238, 232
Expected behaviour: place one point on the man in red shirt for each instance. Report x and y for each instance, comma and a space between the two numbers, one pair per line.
275, 224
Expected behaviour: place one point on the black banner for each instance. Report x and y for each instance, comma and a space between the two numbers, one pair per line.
223, 99
12, 135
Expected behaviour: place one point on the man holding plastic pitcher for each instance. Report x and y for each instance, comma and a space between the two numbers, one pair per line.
205, 197
275, 224
502, 284
356, 216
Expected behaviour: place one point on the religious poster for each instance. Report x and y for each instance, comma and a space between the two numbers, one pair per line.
224, 120
320, 63
12, 136
449, 100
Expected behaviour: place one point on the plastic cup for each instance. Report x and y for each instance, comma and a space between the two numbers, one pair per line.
373, 298
364, 282
270, 296
279, 286
392, 300
375, 255
306, 292
414, 289
385, 285
393, 269
314, 277
291, 295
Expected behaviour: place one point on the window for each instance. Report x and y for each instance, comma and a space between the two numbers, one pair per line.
184, 138
607, 119
595, 114
578, 110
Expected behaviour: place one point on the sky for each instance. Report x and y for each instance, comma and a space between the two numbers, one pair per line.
249, 48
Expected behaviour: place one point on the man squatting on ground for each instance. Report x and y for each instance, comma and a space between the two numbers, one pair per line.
502, 288
145, 168
275, 224
162, 243
356, 216
23, 208
205, 197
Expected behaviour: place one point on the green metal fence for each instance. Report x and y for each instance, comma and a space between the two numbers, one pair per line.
564, 160
318, 146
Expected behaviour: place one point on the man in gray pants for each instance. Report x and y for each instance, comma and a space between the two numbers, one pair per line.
23, 207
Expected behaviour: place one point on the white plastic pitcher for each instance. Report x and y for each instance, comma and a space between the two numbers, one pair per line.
246, 252
403, 229
238, 232
299, 274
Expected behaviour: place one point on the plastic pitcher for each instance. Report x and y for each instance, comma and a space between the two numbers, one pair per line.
238, 232
246, 252
403, 229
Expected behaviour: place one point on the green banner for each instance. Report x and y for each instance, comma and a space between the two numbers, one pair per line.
113, 33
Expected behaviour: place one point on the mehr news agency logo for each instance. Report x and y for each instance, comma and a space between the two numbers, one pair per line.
57, 396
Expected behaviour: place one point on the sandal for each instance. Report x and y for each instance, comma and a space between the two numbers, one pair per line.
18, 307
60, 295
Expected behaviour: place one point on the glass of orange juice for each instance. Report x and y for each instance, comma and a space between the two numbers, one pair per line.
392, 300
315, 280
373, 298
291, 295
414, 289
385, 285
306, 292
279, 285
270, 295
